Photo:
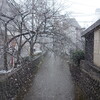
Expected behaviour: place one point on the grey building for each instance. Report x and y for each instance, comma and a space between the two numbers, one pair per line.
71, 38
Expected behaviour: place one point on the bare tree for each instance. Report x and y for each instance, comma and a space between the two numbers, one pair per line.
33, 22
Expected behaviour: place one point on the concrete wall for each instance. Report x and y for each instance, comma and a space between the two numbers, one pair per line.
97, 47
11, 84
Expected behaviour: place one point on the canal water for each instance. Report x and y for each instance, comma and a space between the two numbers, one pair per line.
53, 81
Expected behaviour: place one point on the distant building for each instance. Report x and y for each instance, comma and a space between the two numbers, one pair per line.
97, 14
72, 31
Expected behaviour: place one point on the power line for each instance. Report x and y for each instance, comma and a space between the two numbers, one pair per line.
86, 21
80, 3
83, 15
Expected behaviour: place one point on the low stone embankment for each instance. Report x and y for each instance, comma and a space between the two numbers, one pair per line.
87, 78
11, 84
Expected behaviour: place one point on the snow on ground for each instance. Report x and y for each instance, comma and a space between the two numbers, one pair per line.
4, 71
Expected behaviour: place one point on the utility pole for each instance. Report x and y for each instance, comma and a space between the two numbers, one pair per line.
31, 42
53, 21
32, 15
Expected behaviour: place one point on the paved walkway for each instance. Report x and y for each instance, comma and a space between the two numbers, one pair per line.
52, 82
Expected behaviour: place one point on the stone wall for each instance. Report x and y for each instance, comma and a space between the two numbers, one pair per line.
12, 83
88, 80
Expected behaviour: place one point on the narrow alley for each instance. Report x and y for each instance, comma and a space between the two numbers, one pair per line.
52, 81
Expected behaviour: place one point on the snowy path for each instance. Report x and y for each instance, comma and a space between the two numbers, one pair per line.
52, 82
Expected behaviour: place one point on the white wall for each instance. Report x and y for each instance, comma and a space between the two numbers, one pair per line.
97, 47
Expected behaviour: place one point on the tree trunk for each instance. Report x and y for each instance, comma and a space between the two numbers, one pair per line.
31, 48
5, 49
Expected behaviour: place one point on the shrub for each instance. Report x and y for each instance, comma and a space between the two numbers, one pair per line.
77, 56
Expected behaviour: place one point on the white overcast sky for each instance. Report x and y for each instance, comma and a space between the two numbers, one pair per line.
82, 10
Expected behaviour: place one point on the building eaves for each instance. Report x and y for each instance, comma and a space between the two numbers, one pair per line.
91, 28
